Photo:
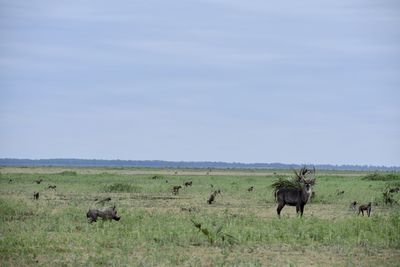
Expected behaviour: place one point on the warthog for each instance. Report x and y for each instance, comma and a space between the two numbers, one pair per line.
52, 187
105, 214
39, 181
36, 195
188, 183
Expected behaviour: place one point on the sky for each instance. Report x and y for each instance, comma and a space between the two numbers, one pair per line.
307, 82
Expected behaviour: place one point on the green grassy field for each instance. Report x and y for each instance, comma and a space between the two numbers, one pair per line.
157, 229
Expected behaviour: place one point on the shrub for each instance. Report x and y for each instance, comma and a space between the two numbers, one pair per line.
382, 176
285, 183
216, 236
387, 196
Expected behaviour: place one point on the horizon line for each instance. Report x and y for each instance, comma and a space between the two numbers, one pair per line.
204, 161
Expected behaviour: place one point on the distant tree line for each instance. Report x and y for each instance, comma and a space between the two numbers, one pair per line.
182, 164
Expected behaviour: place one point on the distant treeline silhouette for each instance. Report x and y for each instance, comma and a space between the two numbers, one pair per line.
183, 164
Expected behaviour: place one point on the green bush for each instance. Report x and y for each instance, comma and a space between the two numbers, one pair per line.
382, 176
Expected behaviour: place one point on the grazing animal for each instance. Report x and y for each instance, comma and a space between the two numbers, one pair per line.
105, 214
296, 196
175, 189
52, 187
394, 190
166, 181
188, 183
353, 205
39, 181
339, 192
211, 199
250, 188
366, 207
36, 195
10, 181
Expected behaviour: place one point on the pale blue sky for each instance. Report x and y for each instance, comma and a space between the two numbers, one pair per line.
200, 80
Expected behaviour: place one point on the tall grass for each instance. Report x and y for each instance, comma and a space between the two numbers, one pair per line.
121, 188
155, 231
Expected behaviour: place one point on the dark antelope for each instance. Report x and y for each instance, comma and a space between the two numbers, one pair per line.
296, 196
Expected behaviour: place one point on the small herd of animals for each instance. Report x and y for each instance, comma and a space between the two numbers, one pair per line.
284, 195
299, 196
36, 194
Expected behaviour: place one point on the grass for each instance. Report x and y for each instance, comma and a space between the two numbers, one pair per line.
120, 188
159, 229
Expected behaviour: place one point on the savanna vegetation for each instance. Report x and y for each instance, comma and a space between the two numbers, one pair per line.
159, 228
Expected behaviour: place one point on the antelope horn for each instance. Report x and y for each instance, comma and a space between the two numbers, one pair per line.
303, 172
297, 174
